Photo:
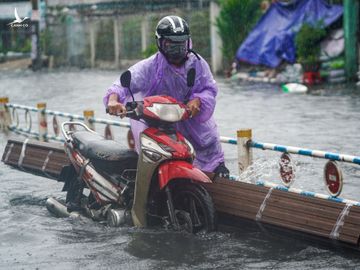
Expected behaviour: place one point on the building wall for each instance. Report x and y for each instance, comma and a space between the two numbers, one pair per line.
74, 37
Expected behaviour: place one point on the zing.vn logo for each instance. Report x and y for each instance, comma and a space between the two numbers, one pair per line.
18, 22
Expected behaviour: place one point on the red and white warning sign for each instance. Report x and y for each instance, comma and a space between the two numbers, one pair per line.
287, 169
333, 178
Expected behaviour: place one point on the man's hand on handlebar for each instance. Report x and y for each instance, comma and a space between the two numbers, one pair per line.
194, 106
115, 107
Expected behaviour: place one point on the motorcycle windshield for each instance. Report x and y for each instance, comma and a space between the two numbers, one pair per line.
167, 112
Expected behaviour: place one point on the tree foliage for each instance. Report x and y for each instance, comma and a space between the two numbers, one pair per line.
307, 42
235, 21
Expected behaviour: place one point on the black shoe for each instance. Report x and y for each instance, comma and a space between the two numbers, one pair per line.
221, 171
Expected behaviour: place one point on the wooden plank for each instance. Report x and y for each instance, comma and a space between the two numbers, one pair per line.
310, 213
35, 143
293, 226
347, 234
221, 188
301, 218
349, 229
322, 224
325, 212
349, 224
241, 185
303, 208
35, 156
235, 212
283, 209
14, 154
349, 239
232, 196
356, 210
353, 218
305, 199
242, 205
243, 201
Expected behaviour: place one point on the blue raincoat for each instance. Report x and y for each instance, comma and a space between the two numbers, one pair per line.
155, 76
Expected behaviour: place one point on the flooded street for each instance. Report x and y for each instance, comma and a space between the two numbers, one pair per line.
326, 119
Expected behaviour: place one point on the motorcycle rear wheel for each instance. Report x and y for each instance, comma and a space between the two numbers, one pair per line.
196, 201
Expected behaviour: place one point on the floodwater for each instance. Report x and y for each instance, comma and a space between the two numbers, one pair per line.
31, 238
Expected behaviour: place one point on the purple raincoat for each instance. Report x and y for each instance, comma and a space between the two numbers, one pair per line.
155, 76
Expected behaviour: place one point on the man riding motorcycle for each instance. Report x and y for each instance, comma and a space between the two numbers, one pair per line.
164, 73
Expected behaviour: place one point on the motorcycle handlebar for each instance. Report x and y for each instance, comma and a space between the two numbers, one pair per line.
131, 110
127, 114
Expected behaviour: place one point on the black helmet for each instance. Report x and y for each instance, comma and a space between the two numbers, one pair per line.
173, 28
173, 38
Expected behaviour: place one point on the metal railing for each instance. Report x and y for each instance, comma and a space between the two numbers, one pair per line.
305, 152
88, 117
333, 177
9, 120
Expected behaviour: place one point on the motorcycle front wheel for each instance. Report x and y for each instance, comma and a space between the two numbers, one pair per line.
196, 202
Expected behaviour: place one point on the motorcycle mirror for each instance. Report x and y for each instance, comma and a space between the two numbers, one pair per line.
125, 79
191, 77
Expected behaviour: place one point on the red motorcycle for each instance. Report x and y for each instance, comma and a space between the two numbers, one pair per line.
158, 186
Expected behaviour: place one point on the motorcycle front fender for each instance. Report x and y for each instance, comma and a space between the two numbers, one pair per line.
178, 169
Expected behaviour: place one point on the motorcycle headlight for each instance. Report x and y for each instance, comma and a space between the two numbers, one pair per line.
152, 155
151, 149
167, 112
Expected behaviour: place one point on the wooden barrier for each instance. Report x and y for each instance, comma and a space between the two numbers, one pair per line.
285, 209
310, 215
245, 144
41, 158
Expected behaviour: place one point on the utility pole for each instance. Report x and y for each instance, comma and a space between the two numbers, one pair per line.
216, 43
351, 21
35, 36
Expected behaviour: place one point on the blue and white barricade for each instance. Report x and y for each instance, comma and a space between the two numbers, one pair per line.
9, 120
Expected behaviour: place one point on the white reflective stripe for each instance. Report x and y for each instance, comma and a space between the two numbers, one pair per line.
8, 153
103, 198
22, 154
263, 205
181, 24
171, 21
104, 193
99, 180
46, 162
340, 221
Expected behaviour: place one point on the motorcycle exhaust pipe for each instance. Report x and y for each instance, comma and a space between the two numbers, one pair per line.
58, 209
119, 217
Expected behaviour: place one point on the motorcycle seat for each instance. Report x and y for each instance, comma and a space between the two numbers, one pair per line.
96, 147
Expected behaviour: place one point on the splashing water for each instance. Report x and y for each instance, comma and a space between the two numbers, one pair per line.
260, 169
32, 238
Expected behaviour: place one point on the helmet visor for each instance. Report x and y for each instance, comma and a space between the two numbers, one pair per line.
177, 38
